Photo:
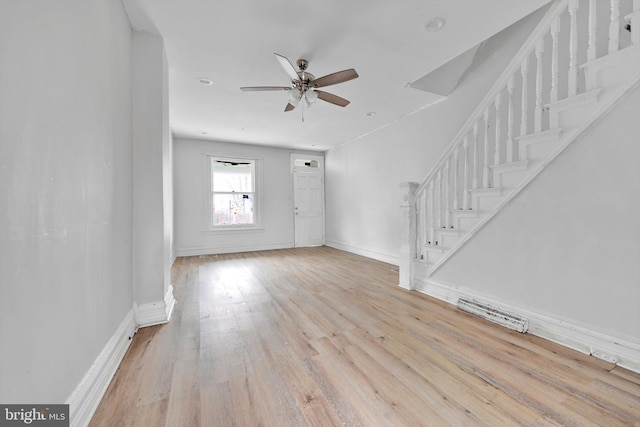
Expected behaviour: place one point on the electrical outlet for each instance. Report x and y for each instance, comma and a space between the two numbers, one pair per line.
604, 356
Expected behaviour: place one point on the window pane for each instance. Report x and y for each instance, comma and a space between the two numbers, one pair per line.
302, 163
231, 176
230, 209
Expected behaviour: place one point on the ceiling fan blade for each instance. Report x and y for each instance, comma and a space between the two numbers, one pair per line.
335, 78
331, 98
289, 107
262, 88
288, 68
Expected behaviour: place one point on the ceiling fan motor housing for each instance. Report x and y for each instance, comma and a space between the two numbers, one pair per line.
302, 64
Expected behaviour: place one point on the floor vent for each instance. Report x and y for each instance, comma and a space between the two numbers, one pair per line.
507, 320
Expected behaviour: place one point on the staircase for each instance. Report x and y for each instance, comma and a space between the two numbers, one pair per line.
578, 62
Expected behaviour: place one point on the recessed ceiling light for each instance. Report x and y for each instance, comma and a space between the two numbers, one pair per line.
203, 133
435, 24
204, 81
371, 113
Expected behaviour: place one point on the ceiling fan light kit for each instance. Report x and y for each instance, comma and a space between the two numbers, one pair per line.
304, 84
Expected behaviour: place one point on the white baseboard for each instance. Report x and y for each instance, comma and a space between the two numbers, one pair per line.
369, 253
155, 313
625, 352
87, 395
196, 251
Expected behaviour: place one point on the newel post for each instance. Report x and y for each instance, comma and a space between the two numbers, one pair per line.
408, 229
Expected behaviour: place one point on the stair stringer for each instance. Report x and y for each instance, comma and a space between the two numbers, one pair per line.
614, 96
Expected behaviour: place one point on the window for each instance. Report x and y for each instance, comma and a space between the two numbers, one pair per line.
304, 163
233, 192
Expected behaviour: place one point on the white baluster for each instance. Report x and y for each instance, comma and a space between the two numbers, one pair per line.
486, 171
509, 153
524, 70
593, 31
476, 164
438, 199
496, 147
456, 180
467, 165
423, 223
573, 48
447, 194
634, 21
555, 29
419, 228
537, 118
432, 213
614, 27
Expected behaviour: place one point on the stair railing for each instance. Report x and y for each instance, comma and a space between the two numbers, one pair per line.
544, 71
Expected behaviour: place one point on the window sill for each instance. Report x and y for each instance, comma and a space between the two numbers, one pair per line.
234, 229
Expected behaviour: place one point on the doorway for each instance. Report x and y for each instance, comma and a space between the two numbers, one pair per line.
308, 199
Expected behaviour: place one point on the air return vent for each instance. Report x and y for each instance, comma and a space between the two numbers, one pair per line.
494, 315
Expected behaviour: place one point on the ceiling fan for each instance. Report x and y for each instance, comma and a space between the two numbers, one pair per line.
305, 85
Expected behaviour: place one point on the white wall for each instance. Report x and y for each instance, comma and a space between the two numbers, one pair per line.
363, 176
190, 191
569, 245
152, 219
65, 191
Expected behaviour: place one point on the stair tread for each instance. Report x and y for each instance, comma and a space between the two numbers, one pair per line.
520, 166
449, 231
544, 136
485, 192
465, 213
435, 248
584, 98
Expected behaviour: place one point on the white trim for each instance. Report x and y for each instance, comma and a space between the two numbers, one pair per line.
566, 332
87, 395
237, 229
369, 253
206, 174
155, 313
299, 156
211, 250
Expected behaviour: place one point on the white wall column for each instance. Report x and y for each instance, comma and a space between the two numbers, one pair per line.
152, 290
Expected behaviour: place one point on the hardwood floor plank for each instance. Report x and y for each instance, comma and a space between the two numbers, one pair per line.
321, 337
184, 400
530, 389
346, 378
467, 392
432, 394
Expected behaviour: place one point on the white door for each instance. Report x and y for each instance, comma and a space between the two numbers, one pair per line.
308, 202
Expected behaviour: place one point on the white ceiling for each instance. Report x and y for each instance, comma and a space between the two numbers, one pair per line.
232, 42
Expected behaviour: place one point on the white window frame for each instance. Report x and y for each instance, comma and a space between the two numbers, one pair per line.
257, 194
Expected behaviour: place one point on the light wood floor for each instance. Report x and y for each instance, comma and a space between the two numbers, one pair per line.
322, 337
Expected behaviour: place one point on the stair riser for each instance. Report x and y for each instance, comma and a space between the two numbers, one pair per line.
438, 234
536, 153
572, 117
613, 70
434, 257
511, 180
448, 241
486, 204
